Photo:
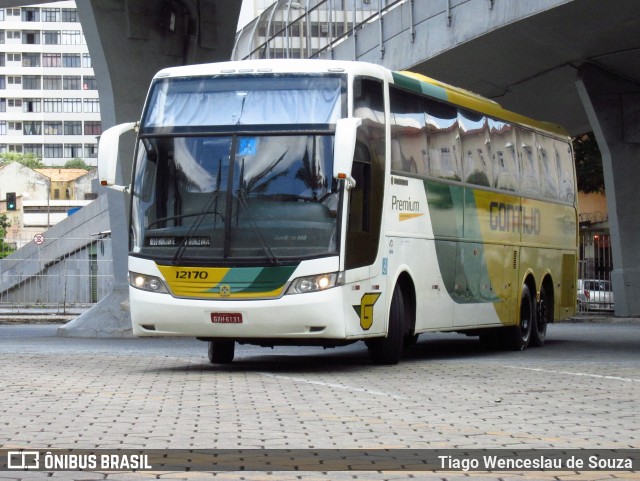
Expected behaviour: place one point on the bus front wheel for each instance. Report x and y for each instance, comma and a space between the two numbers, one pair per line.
221, 351
388, 350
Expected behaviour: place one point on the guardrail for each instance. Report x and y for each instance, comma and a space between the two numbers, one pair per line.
55, 273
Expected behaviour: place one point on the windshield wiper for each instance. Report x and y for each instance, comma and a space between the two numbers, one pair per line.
212, 202
242, 200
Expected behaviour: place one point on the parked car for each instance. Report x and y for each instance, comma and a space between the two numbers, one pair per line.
595, 294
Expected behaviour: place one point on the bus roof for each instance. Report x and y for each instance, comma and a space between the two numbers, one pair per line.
412, 81
464, 98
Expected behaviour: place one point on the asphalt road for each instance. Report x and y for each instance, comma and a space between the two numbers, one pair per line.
580, 391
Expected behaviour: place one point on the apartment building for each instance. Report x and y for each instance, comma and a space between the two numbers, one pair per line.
49, 103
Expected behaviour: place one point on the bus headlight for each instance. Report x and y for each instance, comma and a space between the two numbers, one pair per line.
320, 282
147, 283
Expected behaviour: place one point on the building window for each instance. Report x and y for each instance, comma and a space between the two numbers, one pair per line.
30, 59
56, 194
3, 105
53, 151
70, 15
31, 82
3, 59
50, 14
31, 38
30, 105
51, 37
31, 128
71, 82
3, 128
92, 106
52, 105
92, 128
30, 14
3, 82
73, 128
52, 128
72, 37
15, 126
52, 82
2, 37
15, 148
91, 151
72, 151
34, 149
14, 57
15, 80
86, 60
72, 105
71, 60
15, 102
14, 34
89, 83
51, 60
13, 12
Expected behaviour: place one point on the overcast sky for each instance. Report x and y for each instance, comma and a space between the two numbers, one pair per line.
246, 13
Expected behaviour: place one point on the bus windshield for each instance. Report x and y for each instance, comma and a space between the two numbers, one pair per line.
264, 199
236, 100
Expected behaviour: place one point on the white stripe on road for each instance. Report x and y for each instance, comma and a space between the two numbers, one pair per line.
570, 373
333, 385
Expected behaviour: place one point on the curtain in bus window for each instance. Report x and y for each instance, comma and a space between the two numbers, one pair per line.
506, 170
567, 188
192, 102
408, 133
442, 132
474, 137
548, 167
530, 182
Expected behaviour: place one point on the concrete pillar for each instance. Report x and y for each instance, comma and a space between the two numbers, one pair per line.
129, 41
613, 107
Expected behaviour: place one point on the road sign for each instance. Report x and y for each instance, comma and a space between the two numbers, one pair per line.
38, 238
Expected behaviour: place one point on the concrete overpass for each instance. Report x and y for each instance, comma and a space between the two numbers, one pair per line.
575, 62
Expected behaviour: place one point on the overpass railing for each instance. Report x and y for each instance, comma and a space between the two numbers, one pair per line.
313, 28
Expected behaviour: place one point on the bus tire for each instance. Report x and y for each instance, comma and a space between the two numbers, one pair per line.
388, 350
544, 317
519, 336
221, 351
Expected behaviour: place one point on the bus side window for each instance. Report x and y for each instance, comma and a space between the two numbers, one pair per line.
359, 208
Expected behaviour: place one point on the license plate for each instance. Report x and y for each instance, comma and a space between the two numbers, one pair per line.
226, 317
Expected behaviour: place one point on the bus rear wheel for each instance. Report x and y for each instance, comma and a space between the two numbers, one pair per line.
545, 316
388, 350
221, 351
519, 336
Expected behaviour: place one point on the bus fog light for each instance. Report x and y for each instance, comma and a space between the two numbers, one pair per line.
146, 283
320, 282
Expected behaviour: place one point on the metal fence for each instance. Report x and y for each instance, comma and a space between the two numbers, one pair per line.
55, 273
595, 291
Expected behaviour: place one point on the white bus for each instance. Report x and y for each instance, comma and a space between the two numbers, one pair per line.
309, 202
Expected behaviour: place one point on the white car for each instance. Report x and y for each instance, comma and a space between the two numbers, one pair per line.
595, 294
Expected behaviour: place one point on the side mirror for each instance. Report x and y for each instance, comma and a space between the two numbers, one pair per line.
344, 148
108, 153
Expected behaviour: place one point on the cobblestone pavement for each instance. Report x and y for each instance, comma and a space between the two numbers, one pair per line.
582, 390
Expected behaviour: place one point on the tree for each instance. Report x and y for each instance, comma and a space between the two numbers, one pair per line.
5, 249
28, 160
588, 164
76, 164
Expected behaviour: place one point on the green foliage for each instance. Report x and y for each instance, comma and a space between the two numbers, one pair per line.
5, 249
588, 164
76, 164
28, 160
